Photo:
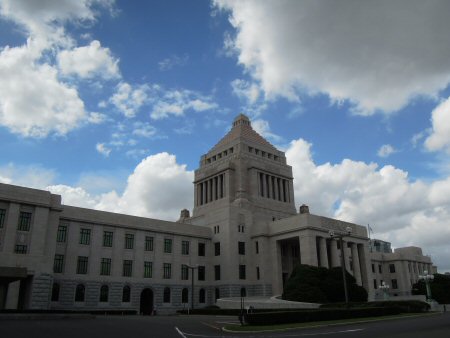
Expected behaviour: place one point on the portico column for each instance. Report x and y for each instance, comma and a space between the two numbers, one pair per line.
347, 256
323, 252
356, 266
308, 250
214, 187
204, 192
334, 254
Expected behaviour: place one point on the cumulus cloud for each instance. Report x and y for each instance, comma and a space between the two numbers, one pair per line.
89, 61
400, 210
129, 100
34, 102
386, 150
103, 149
377, 55
440, 133
246, 90
144, 130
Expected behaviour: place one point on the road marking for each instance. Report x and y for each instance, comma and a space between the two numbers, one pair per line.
211, 326
252, 334
179, 332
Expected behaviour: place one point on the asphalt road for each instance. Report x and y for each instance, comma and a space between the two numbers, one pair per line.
434, 326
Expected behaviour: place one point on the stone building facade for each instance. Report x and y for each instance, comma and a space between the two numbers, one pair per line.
243, 239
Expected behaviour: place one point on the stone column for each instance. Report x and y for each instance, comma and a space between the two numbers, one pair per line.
214, 187
204, 192
346, 256
323, 252
269, 186
356, 266
282, 191
308, 250
335, 261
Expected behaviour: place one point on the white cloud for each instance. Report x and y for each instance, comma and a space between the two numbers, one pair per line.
178, 102
129, 100
33, 102
403, 211
96, 118
89, 61
262, 127
246, 90
103, 149
440, 134
386, 150
378, 55
173, 61
144, 130
32, 176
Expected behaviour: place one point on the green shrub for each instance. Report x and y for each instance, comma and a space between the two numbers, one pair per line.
271, 318
406, 306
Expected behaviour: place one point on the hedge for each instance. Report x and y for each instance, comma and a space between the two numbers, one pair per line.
271, 318
406, 306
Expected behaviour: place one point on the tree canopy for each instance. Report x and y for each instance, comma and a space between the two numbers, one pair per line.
440, 288
321, 285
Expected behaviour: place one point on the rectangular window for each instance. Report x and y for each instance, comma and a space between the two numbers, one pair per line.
24, 221
241, 271
257, 247
217, 249
127, 268
105, 267
58, 264
241, 248
201, 249
391, 268
167, 270
379, 268
167, 245
20, 249
85, 236
61, 235
375, 284
184, 247
148, 243
107, 238
201, 273
184, 272
257, 273
373, 268
217, 272
129, 241
82, 265
148, 269
394, 284
409, 267
2, 217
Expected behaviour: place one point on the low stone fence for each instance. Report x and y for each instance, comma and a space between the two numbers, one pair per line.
263, 303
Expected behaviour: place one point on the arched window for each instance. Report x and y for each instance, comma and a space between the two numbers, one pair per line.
184, 296
243, 292
104, 293
126, 294
201, 296
217, 295
79, 293
166, 297
55, 292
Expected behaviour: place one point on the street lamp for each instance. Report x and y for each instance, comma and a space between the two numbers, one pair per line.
427, 279
385, 289
192, 268
340, 236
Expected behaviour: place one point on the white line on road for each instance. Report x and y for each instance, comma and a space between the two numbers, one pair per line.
249, 335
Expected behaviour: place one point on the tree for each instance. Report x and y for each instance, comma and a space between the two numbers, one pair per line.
321, 285
440, 288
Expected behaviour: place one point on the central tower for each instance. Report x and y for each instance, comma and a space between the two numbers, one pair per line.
242, 185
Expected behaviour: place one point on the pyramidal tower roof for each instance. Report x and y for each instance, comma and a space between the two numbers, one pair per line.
242, 129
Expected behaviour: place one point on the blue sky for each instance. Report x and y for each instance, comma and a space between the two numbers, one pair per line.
112, 103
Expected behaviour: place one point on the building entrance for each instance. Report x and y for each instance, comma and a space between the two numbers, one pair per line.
146, 307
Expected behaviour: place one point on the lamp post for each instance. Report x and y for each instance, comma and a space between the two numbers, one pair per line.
192, 268
427, 279
385, 289
340, 236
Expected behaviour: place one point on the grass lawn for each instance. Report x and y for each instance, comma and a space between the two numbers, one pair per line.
261, 328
